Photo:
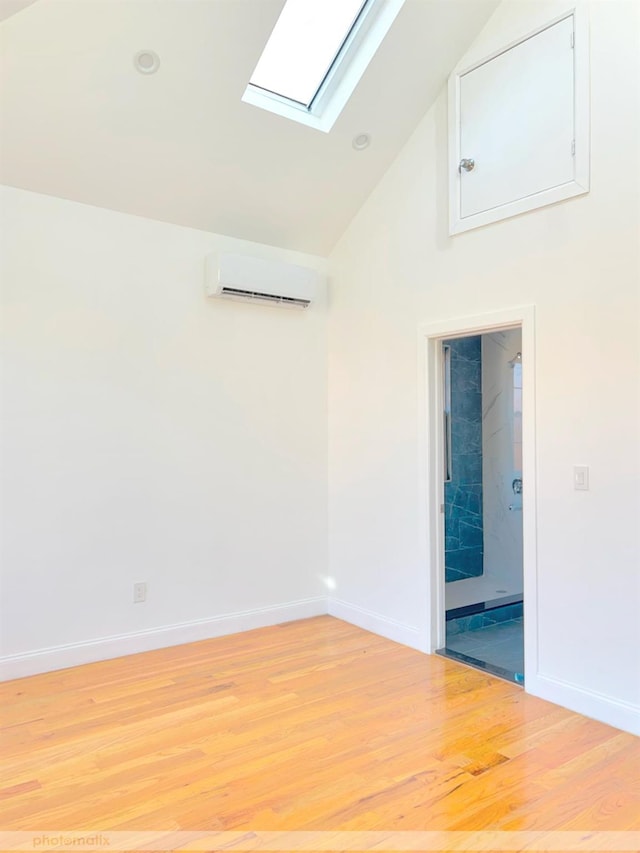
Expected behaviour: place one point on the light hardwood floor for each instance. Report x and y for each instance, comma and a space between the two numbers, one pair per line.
310, 725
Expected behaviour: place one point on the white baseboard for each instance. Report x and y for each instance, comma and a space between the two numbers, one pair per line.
377, 624
74, 654
613, 712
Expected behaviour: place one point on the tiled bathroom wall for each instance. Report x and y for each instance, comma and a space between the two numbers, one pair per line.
463, 494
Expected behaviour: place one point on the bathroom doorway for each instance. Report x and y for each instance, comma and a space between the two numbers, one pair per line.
482, 472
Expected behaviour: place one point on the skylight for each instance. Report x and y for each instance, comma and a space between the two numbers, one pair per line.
315, 56
303, 46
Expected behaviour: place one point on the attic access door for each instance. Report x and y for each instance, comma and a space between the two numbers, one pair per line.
519, 128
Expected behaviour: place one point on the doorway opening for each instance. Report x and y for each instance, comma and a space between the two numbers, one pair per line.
482, 519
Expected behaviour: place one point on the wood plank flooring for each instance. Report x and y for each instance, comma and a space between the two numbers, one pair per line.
310, 725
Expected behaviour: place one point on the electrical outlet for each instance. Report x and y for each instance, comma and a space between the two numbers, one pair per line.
139, 593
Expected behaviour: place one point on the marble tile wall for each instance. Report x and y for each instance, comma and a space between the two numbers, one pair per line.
484, 620
463, 495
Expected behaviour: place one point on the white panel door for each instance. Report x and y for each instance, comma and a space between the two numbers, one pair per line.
517, 121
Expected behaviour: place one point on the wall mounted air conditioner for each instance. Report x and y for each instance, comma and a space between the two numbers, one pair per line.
258, 280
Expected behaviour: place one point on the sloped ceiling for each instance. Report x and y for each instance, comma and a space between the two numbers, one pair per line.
79, 122
10, 7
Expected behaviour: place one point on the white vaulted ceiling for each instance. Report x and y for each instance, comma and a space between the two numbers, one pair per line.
79, 122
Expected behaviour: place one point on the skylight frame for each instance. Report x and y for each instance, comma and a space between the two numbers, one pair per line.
358, 48
305, 43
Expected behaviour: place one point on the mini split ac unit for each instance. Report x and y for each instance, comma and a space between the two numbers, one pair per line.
259, 280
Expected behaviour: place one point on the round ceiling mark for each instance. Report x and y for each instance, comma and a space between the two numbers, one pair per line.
361, 141
146, 61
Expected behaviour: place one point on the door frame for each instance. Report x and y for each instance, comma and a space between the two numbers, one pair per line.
431, 336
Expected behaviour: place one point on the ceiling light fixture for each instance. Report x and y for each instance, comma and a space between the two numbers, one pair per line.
361, 141
146, 61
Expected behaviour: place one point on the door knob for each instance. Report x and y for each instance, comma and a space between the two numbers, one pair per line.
467, 164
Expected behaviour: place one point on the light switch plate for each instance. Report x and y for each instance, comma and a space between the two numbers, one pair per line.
581, 478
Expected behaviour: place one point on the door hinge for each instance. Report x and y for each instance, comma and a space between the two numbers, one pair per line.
573, 40
441, 507
573, 148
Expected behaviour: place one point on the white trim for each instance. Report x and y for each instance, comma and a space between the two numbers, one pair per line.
431, 485
104, 648
461, 69
368, 620
581, 182
582, 115
606, 709
342, 78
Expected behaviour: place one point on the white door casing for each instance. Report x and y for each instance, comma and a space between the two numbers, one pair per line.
432, 485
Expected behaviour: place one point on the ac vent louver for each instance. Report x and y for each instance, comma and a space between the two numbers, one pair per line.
236, 293
247, 278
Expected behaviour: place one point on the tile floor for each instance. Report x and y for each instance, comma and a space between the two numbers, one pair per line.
497, 648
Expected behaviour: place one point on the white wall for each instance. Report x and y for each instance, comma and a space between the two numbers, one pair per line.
150, 434
502, 527
577, 261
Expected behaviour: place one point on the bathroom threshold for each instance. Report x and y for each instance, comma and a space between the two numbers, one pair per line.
484, 666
